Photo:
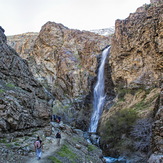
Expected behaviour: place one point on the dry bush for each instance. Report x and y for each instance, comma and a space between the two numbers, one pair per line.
142, 134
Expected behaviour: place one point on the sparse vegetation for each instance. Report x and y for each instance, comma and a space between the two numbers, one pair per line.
3, 140
8, 145
54, 159
141, 105
16, 144
91, 147
10, 85
1, 90
66, 152
142, 134
128, 127
120, 123
118, 126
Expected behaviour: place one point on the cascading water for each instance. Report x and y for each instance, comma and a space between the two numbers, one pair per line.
99, 93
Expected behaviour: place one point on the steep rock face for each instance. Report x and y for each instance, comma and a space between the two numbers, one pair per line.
137, 47
68, 57
22, 43
136, 57
23, 101
65, 61
64, 58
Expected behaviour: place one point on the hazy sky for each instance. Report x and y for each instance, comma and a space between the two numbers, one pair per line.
20, 16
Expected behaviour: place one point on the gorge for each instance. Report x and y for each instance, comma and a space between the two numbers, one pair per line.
55, 72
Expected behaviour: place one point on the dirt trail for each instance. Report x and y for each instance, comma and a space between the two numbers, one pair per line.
48, 150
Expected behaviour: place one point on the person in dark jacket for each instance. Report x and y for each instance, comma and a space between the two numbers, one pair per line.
58, 137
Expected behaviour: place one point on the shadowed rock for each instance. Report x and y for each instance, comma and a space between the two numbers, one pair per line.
23, 101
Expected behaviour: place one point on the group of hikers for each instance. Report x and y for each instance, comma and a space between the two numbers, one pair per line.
55, 118
38, 144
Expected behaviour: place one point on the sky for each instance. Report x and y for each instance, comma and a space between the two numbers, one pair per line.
21, 16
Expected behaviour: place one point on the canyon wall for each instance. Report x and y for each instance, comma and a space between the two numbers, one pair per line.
137, 47
136, 64
65, 61
23, 101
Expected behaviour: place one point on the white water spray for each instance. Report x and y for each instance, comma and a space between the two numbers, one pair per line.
99, 93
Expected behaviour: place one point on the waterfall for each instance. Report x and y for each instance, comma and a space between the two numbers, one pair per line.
99, 93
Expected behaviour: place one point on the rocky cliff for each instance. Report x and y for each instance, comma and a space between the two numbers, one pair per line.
23, 101
137, 48
22, 43
65, 61
136, 62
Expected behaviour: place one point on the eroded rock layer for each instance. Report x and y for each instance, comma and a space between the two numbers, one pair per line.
134, 122
137, 48
63, 58
65, 61
23, 101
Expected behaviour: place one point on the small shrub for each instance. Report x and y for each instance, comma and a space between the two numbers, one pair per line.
91, 147
1, 90
140, 106
16, 144
8, 145
10, 85
3, 140
123, 91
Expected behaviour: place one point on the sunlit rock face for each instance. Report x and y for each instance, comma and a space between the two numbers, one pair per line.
65, 61
22, 43
137, 48
23, 101
63, 58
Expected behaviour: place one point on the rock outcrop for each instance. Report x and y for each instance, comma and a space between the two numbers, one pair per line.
137, 47
65, 61
22, 43
136, 63
23, 101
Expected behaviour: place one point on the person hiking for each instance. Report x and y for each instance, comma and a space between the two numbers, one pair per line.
38, 148
58, 137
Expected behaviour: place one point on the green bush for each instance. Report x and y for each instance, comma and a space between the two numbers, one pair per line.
123, 91
118, 124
